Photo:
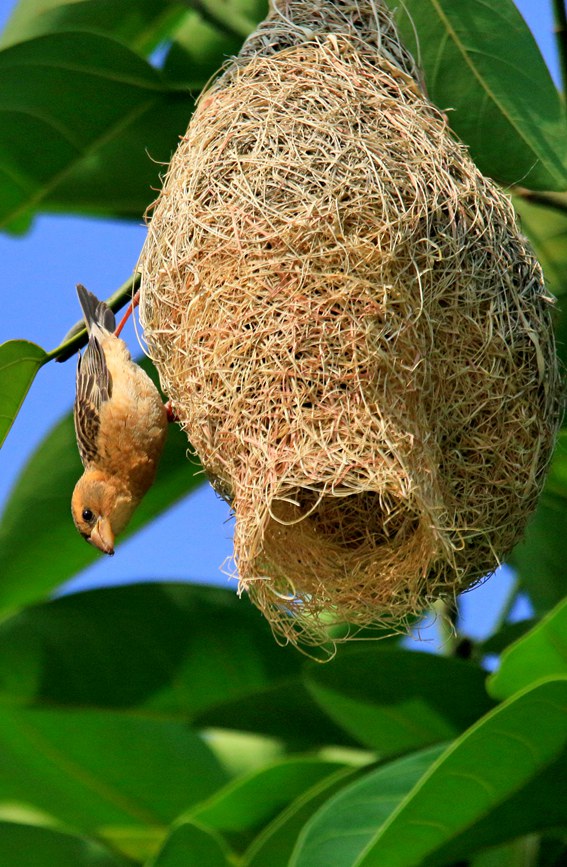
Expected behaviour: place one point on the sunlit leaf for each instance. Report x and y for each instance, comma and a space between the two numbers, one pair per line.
20, 360
98, 110
400, 814
275, 843
542, 653
138, 23
339, 831
531, 810
254, 800
188, 844
394, 701
176, 649
482, 62
92, 770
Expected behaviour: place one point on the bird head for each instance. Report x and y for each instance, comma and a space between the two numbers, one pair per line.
101, 508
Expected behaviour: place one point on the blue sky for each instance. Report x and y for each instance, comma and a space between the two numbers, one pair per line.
38, 273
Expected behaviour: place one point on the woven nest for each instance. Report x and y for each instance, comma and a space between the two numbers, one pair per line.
351, 328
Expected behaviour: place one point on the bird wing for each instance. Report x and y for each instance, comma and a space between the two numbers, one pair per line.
94, 387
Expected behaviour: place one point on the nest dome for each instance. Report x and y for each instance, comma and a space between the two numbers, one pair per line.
351, 328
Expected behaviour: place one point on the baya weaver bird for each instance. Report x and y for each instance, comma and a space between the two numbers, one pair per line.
121, 425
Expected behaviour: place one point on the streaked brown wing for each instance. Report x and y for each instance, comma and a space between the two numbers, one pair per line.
94, 387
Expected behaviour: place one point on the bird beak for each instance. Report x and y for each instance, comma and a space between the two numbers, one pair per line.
102, 536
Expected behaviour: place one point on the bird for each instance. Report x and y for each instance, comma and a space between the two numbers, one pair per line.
121, 427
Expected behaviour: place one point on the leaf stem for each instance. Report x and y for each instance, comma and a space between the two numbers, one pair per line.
448, 614
556, 201
76, 338
560, 30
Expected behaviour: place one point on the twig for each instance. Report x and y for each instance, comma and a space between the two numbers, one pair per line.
76, 338
448, 614
556, 201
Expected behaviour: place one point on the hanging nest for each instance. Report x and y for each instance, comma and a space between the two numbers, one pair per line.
351, 328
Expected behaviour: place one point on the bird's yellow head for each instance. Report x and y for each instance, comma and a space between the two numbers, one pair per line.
101, 508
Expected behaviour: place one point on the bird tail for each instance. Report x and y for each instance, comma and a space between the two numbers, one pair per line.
95, 312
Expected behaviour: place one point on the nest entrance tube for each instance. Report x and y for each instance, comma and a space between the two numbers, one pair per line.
351, 328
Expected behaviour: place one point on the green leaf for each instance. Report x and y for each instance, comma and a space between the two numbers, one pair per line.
65, 653
26, 845
532, 810
138, 23
95, 770
236, 17
397, 817
250, 802
546, 228
189, 844
539, 559
542, 653
275, 843
20, 360
174, 649
482, 62
268, 711
32, 564
393, 700
505, 636
87, 99
339, 831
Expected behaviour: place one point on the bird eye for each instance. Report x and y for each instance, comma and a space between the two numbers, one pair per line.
87, 515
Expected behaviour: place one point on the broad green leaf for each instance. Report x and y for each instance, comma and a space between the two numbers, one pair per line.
95, 771
250, 802
138, 23
284, 710
394, 700
505, 636
489, 763
338, 832
176, 649
188, 844
20, 360
275, 843
532, 810
542, 653
482, 62
86, 98
28, 845
33, 563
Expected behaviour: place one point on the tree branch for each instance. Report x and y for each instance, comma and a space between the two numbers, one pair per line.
76, 338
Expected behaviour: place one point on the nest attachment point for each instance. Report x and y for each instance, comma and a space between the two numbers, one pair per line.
351, 328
